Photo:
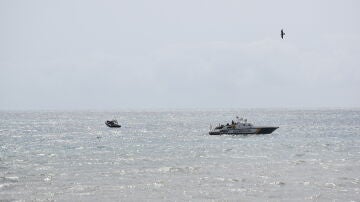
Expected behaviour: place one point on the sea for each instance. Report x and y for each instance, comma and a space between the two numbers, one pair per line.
168, 155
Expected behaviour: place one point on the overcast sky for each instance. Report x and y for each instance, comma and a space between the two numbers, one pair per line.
178, 54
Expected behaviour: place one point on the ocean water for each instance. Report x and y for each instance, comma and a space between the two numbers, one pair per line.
168, 155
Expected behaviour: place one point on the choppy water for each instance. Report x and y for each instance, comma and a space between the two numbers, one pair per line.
168, 155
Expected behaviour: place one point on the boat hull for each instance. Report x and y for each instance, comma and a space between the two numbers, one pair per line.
267, 130
112, 125
244, 131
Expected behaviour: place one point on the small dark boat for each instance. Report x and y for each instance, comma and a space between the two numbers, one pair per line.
112, 124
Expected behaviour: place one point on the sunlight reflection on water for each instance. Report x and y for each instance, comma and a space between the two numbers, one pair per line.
168, 155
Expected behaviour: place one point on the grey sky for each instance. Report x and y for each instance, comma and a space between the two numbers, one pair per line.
178, 54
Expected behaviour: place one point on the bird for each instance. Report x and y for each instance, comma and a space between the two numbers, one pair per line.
282, 33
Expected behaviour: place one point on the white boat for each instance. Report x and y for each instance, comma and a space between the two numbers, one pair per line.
241, 127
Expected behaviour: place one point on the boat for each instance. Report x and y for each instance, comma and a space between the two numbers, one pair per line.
241, 127
113, 124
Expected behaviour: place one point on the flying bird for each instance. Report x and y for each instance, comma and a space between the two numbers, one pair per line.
282, 34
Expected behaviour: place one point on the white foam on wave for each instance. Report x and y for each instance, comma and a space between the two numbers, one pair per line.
5, 185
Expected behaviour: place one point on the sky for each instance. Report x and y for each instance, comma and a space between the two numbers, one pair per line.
113, 54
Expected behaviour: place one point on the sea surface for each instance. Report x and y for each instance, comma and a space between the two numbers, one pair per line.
167, 155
